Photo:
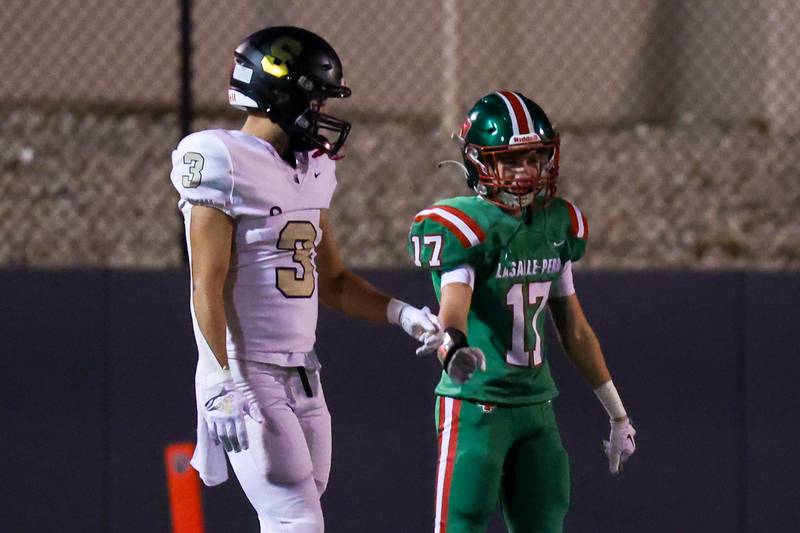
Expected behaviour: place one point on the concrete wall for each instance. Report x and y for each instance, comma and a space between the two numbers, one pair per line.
98, 373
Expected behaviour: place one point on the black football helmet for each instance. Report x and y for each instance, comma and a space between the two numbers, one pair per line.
287, 73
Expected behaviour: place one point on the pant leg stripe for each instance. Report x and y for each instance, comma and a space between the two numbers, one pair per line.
447, 451
444, 413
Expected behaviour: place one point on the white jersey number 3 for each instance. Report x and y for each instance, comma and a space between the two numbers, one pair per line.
195, 175
297, 282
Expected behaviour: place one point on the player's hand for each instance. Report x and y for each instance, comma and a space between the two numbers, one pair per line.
620, 444
431, 335
224, 409
419, 323
464, 362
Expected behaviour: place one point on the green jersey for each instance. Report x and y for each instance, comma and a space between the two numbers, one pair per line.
516, 262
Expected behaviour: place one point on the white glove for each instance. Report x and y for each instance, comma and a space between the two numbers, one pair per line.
464, 363
224, 410
431, 340
419, 323
620, 444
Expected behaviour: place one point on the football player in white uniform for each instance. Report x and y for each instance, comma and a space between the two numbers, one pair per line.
255, 202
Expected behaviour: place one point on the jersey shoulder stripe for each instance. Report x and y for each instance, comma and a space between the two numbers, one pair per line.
464, 227
579, 223
468, 220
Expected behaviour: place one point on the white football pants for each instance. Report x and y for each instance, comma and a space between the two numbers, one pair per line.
286, 468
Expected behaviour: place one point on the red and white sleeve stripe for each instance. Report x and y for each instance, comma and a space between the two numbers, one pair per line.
464, 227
580, 225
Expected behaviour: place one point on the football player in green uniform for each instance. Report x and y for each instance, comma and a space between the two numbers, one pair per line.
498, 259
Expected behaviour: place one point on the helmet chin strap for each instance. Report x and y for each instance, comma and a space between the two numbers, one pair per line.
503, 198
514, 200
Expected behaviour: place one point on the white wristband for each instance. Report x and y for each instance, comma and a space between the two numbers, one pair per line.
609, 397
393, 310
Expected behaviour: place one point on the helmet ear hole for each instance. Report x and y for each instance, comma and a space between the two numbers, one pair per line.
305, 83
278, 97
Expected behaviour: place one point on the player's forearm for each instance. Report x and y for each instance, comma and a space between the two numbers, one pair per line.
454, 306
583, 349
354, 296
447, 320
209, 309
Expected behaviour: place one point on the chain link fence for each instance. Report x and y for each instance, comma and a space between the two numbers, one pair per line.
680, 120
87, 115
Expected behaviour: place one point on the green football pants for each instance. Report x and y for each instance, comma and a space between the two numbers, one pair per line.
510, 454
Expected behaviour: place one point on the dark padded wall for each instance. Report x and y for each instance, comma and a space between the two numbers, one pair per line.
771, 368
98, 375
54, 419
151, 382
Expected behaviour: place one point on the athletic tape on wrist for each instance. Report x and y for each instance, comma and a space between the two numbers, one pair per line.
454, 340
393, 310
609, 397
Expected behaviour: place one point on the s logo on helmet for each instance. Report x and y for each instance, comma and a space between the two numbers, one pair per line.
283, 50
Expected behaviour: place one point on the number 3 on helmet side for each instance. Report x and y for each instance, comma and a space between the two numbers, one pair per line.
297, 282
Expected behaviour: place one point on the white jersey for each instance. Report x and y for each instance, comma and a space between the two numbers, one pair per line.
271, 291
